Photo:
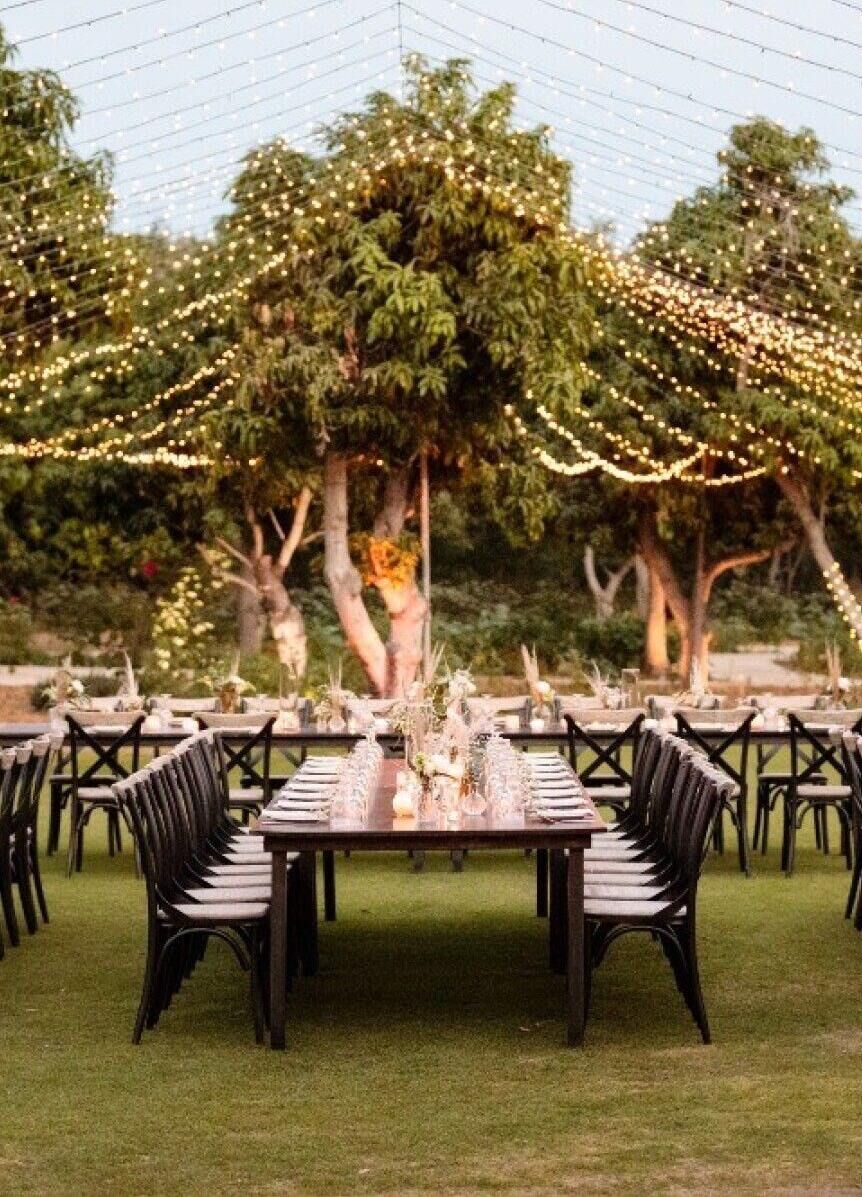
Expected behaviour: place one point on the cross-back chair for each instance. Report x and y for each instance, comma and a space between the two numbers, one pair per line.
103, 749
601, 766
724, 739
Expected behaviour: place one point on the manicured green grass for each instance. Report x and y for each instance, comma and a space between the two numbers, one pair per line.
428, 1057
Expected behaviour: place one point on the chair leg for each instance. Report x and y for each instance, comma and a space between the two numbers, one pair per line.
689, 947
742, 832
790, 826
25, 889
854, 888
36, 873
758, 818
55, 814
6, 896
824, 819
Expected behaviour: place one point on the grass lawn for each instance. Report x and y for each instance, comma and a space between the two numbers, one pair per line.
428, 1057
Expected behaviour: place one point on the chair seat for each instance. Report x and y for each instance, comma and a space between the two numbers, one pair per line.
635, 867
246, 796
223, 912
630, 880
244, 843
625, 893
248, 858
621, 850
613, 909
97, 793
231, 893
247, 878
824, 793
609, 793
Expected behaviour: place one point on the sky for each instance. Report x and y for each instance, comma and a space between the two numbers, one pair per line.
640, 93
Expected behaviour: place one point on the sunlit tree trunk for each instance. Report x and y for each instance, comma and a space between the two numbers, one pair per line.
344, 579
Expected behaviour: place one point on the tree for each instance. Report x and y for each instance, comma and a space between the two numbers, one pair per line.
773, 230
721, 428
414, 306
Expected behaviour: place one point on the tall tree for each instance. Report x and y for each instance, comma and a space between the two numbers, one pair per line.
415, 304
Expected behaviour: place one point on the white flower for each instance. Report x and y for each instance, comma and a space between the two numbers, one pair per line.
76, 686
544, 689
844, 684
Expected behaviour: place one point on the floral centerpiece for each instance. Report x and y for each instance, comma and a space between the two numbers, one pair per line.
541, 691
332, 704
230, 687
65, 690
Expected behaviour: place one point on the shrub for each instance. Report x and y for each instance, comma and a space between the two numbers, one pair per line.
616, 642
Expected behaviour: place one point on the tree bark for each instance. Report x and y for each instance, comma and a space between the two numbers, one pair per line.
642, 586
656, 661
285, 618
343, 578
249, 615
605, 596
405, 605
815, 532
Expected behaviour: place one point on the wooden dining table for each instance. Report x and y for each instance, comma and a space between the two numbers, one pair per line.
382, 831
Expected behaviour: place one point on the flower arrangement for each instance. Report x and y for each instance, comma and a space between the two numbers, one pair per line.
541, 691
332, 703
66, 690
229, 687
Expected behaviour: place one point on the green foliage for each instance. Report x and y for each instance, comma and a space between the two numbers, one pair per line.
16, 628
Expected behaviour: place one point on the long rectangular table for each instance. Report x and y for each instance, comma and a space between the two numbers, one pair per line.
382, 832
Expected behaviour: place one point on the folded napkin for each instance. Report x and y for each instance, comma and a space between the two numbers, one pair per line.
564, 817
311, 815
559, 802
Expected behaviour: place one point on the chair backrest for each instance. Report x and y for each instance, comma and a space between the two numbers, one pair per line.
838, 717
623, 717
106, 747
605, 760
248, 721
813, 748
12, 764
727, 747
107, 718
246, 746
730, 717
183, 706
851, 745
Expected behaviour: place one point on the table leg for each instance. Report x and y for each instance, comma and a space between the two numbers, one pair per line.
541, 883
307, 866
575, 990
557, 911
329, 886
278, 951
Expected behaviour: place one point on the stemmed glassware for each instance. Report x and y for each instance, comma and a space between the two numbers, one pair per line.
357, 780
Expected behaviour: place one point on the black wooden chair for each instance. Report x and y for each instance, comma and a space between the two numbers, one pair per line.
26, 871
601, 766
666, 911
246, 742
819, 781
724, 739
14, 765
113, 745
852, 751
179, 925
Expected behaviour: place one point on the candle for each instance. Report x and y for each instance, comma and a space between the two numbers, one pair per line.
537, 725
402, 803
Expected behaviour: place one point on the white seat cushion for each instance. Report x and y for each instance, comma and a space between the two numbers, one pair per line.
633, 867
224, 912
253, 846
246, 794
611, 908
808, 792
630, 880
96, 794
625, 893
231, 893
615, 793
613, 851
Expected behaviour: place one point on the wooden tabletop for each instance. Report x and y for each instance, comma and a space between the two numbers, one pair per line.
382, 831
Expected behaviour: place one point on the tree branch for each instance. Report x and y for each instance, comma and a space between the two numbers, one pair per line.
293, 540
737, 561
234, 552
256, 531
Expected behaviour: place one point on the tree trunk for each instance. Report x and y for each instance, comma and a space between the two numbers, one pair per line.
249, 617
605, 596
405, 605
642, 586
815, 535
656, 662
285, 619
698, 648
343, 578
